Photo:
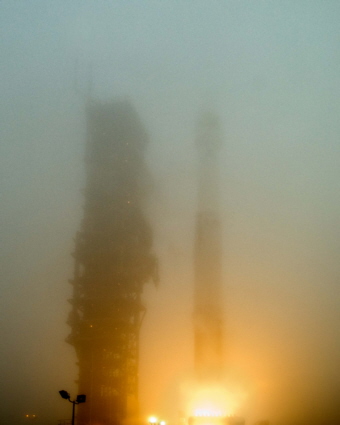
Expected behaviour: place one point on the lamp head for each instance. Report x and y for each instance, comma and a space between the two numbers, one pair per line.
81, 398
64, 394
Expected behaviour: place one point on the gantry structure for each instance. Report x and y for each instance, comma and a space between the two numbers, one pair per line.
113, 260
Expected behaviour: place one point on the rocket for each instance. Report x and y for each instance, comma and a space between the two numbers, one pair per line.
208, 320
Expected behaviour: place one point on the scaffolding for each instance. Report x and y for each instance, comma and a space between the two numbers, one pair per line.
113, 260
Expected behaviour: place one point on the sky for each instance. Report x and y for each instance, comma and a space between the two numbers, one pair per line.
270, 70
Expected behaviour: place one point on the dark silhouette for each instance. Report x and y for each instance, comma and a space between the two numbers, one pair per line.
113, 261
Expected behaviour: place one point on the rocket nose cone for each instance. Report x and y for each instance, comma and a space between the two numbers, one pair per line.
208, 119
208, 133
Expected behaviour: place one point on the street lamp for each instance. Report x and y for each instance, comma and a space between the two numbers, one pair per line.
80, 399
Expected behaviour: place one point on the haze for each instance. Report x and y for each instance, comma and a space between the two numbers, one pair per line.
270, 70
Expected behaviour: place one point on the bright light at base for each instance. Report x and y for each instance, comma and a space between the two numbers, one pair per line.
211, 402
152, 420
207, 413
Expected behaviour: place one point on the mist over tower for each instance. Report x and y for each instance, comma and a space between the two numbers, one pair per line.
208, 320
113, 260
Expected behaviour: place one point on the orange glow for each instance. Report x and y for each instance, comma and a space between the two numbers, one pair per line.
207, 413
212, 401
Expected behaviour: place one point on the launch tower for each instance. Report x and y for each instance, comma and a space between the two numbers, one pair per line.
208, 338
113, 260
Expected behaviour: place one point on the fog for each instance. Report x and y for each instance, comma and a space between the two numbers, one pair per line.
271, 72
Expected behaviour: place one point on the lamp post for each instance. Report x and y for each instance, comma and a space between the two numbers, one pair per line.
80, 399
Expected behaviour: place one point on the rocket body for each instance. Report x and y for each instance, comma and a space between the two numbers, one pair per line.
208, 321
